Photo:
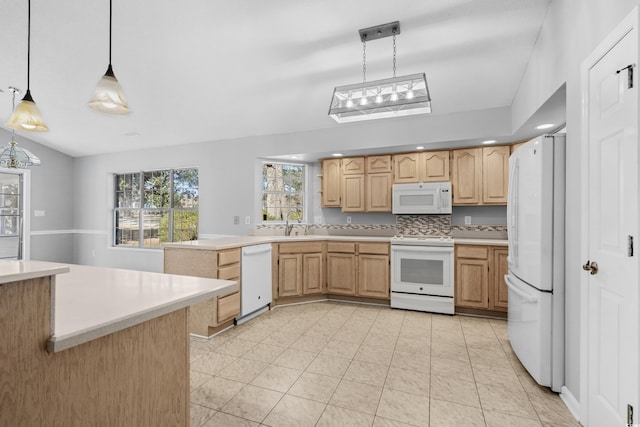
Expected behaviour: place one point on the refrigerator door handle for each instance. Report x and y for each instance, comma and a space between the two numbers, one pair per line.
527, 299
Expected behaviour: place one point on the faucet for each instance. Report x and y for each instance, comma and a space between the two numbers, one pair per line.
288, 227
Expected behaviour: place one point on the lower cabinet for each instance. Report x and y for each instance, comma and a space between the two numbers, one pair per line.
479, 276
373, 275
300, 269
341, 273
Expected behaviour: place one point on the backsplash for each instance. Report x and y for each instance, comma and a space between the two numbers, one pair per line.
424, 225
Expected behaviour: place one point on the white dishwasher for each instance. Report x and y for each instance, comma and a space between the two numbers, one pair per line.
256, 280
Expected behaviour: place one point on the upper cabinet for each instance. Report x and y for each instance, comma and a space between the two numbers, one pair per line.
379, 164
422, 166
378, 185
480, 175
405, 167
331, 183
353, 166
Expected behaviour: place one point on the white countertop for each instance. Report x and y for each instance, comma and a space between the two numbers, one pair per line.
239, 241
91, 302
13, 271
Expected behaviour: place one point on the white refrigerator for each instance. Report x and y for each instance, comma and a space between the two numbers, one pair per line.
535, 220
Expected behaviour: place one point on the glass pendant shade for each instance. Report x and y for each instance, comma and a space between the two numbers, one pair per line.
27, 117
108, 97
15, 157
394, 97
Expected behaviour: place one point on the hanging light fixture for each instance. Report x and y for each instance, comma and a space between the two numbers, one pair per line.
108, 96
394, 97
15, 157
27, 116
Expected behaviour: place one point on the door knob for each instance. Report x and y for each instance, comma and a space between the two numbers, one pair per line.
591, 267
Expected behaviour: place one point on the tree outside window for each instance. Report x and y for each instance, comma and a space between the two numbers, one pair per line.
282, 192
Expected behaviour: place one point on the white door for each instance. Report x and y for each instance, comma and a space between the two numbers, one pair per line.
612, 222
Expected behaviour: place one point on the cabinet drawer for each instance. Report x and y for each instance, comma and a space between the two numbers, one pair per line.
374, 248
228, 257
346, 247
472, 251
228, 307
300, 247
231, 272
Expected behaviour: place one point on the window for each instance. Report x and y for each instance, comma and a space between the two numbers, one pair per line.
282, 192
156, 207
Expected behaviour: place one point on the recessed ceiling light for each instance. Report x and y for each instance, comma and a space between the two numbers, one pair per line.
489, 141
420, 147
337, 154
545, 126
132, 134
294, 157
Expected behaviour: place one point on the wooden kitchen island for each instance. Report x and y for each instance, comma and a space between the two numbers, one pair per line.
90, 346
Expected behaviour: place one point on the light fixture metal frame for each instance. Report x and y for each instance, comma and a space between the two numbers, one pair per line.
393, 97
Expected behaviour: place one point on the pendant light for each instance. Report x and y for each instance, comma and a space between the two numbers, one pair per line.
394, 97
27, 116
15, 157
108, 97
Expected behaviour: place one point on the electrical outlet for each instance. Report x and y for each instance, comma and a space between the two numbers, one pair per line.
348, 219
317, 219
38, 213
467, 220
247, 220
236, 220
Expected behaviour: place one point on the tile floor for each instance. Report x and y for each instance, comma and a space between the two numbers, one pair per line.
335, 364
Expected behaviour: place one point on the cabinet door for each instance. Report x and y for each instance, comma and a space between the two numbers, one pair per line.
379, 192
341, 273
434, 166
499, 300
373, 276
405, 168
290, 275
331, 183
472, 282
517, 145
312, 274
353, 193
353, 166
467, 176
379, 164
495, 174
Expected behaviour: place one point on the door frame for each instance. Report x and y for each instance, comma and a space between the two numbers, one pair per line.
26, 208
623, 28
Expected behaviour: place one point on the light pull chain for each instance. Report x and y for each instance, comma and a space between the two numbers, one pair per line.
364, 60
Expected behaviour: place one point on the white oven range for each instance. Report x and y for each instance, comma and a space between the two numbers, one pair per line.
422, 274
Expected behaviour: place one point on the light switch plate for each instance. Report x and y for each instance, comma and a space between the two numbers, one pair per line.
467, 220
236, 220
38, 213
247, 220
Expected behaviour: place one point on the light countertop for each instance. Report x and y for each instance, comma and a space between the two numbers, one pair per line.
13, 271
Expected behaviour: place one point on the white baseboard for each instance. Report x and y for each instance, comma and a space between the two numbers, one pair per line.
571, 402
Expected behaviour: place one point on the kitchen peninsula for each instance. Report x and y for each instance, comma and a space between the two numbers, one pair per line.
96, 346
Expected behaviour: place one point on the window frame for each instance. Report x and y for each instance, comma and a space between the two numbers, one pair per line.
141, 209
305, 193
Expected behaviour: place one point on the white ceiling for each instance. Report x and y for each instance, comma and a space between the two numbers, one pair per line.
202, 70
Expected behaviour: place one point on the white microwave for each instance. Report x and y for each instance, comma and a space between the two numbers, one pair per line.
422, 198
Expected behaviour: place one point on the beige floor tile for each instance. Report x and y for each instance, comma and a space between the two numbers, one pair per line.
413, 345
329, 365
335, 416
355, 336
365, 372
446, 414
264, 352
379, 355
340, 349
196, 379
499, 419
295, 359
498, 376
404, 407
455, 337
200, 414
256, 333
532, 387
322, 330
243, 370
415, 332
512, 402
216, 392
416, 361
552, 410
212, 363
294, 411
449, 351
310, 343
225, 420
277, 378
315, 387
408, 381
488, 357
484, 342
252, 403
282, 339
375, 339
382, 327
384, 422
414, 319
196, 354
454, 390
356, 396
235, 347
451, 368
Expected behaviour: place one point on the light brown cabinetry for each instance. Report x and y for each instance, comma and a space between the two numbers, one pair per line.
353, 166
405, 168
341, 268
479, 273
378, 185
206, 317
480, 175
424, 166
300, 269
331, 183
353, 199
517, 145
373, 270
379, 164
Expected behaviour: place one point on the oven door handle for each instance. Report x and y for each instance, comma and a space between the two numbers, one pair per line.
422, 248
527, 299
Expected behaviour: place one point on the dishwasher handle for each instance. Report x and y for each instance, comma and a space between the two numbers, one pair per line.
528, 299
256, 250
